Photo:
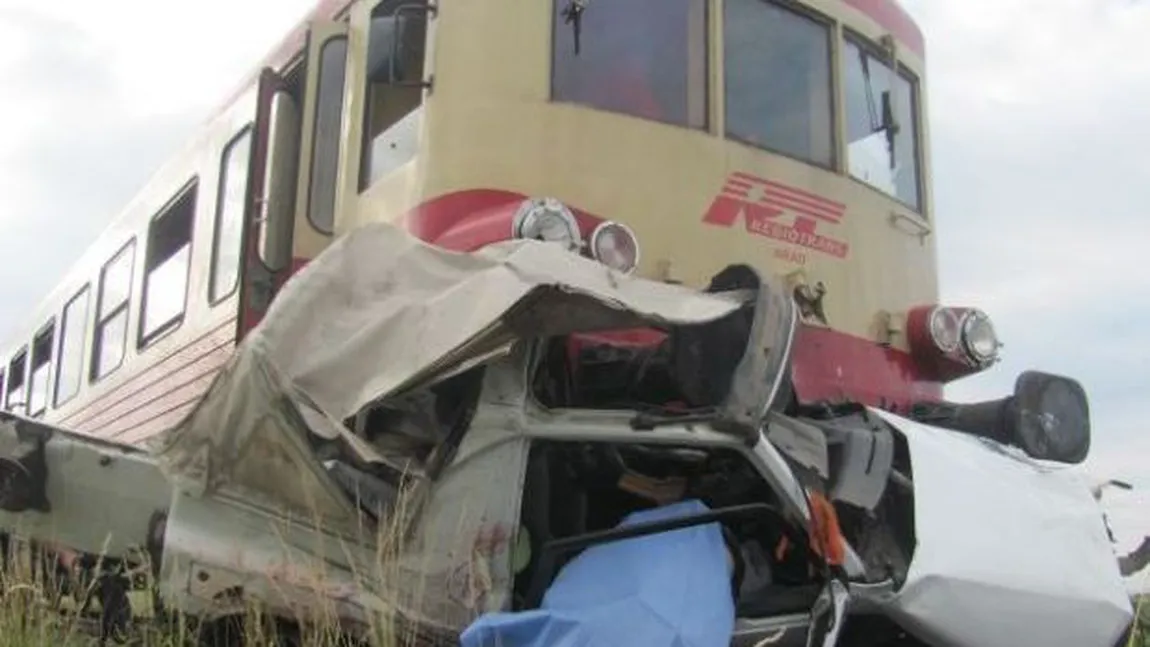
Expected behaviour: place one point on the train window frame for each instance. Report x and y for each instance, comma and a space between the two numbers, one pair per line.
188, 192
705, 64
332, 107
19, 357
404, 128
61, 352
94, 366
35, 361
828, 25
868, 46
216, 297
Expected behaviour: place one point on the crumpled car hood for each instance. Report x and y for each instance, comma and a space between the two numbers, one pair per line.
1009, 551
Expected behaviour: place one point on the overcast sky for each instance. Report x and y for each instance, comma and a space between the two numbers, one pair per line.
1040, 119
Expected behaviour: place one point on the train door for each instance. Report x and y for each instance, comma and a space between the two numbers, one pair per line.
293, 169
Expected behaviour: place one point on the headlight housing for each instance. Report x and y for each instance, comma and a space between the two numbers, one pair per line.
979, 339
549, 220
615, 245
945, 329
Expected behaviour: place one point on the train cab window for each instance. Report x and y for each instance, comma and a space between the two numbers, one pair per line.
113, 298
14, 400
395, 54
228, 237
41, 370
645, 58
882, 128
166, 266
777, 64
70, 363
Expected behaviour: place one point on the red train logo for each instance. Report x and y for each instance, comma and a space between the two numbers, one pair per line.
779, 212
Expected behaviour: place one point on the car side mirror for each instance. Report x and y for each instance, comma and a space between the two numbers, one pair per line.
1048, 417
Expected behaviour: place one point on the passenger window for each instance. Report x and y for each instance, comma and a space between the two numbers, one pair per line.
394, 91
778, 80
17, 368
882, 128
41, 370
73, 325
166, 266
328, 122
229, 229
646, 58
113, 297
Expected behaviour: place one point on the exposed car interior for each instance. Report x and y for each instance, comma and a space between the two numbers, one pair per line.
575, 488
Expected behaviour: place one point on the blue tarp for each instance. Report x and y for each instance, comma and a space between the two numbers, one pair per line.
671, 589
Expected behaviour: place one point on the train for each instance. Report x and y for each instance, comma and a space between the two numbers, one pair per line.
668, 151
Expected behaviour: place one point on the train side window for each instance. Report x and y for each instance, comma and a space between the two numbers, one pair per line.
166, 266
777, 64
645, 58
70, 363
882, 127
17, 371
41, 370
229, 229
328, 130
393, 93
112, 300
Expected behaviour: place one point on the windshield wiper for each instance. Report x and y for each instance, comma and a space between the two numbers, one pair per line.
573, 15
886, 123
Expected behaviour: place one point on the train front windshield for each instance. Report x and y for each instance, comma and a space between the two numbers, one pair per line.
649, 59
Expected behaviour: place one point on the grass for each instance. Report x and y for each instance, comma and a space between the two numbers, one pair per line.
35, 611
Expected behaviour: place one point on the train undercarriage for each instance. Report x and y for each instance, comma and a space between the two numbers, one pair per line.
446, 447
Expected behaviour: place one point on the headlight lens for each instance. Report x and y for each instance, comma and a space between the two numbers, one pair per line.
979, 338
614, 245
549, 220
945, 329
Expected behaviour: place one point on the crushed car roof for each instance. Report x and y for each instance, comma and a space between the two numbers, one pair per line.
378, 313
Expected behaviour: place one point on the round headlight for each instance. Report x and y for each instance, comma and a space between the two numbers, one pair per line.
978, 337
547, 219
614, 245
945, 329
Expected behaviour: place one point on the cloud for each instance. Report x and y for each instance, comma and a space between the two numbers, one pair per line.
94, 104
1039, 133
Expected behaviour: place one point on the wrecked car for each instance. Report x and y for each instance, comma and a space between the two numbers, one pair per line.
414, 439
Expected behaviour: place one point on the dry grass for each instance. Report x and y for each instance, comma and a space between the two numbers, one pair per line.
34, 612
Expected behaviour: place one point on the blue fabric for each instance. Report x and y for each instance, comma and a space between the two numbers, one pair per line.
671, 589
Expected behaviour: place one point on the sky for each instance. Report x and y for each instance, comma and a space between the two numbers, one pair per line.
1039, 126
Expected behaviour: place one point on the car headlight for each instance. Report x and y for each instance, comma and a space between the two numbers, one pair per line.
614, 245
549, 220
979, 338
